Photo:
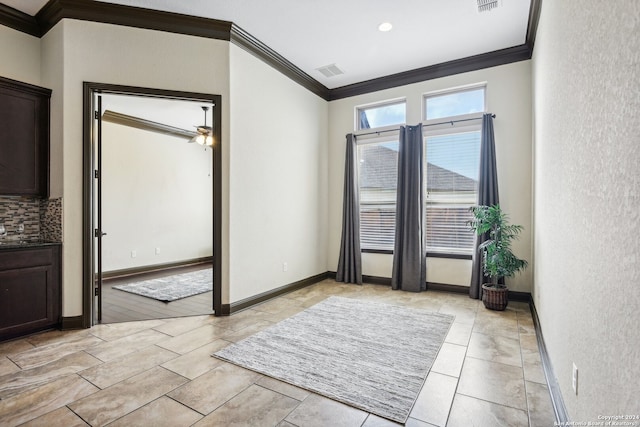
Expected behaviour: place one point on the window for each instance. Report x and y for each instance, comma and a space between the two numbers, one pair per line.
452, 163
452, 154
457, 103
452, 166
379, 115
378, 171
377, 175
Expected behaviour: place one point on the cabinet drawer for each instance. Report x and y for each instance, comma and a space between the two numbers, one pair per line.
21, 258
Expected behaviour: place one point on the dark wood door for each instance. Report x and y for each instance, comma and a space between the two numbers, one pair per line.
24, 139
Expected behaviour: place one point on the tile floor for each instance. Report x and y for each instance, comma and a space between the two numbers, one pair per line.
160, 372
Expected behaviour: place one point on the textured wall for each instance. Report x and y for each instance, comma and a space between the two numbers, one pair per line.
586, 78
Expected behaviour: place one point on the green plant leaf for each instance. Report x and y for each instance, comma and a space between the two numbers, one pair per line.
497, 258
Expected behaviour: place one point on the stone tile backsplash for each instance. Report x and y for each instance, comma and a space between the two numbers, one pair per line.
51, 220
42, 218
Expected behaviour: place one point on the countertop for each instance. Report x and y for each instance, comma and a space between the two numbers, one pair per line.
19, 244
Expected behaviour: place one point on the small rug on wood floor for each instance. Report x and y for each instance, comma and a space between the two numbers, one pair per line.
371, 356
171, 288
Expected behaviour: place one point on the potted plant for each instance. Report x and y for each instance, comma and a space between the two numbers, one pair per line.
498, 261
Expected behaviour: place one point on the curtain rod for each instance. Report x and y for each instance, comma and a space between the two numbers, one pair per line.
430, 124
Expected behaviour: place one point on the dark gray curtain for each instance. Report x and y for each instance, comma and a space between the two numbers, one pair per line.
487, 195
409, 253
350, 262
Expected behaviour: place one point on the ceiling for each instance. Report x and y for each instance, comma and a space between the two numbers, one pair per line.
312, 33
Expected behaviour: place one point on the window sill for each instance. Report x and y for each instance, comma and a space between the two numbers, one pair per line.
377, 251
446, 255
429, 254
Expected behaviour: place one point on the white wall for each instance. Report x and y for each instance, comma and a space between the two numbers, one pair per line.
156, 193
20, 55
509, 97
95, 52
274, 196
52, 55
586, 80
278, 190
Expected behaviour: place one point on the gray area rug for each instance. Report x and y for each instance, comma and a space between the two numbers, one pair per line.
171, 288
371, 356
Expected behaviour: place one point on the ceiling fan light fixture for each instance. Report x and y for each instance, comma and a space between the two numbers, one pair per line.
487, 5
205, 133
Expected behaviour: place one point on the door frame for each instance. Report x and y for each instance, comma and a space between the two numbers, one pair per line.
88, 225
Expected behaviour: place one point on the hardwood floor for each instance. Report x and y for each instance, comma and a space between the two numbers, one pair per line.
119, 306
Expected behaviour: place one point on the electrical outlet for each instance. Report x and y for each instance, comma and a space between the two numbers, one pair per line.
134, 254
157, 251
574, 381
285, 267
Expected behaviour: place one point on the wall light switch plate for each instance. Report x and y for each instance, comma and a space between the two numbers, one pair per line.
157, 251
134, 254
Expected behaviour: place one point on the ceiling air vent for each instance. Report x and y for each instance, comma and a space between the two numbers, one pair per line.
330, 70
487, 5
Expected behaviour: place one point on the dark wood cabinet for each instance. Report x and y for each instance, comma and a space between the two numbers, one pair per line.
24, 139
30, 295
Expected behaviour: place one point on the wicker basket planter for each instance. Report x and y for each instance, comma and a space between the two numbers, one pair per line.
495, 298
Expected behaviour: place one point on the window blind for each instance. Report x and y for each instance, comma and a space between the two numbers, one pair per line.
378, 175
452, 162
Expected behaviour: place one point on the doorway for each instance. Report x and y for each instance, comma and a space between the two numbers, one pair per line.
106, 267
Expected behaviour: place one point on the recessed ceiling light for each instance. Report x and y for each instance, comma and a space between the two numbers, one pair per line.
385, 26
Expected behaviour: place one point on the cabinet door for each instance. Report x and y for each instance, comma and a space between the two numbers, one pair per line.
24, 141
29, 291
25, 299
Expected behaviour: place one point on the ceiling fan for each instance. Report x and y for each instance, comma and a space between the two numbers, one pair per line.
205, 133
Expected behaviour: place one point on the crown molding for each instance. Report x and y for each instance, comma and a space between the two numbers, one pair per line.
248, 42
532, 24
13, 18
470, 63
56, 10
